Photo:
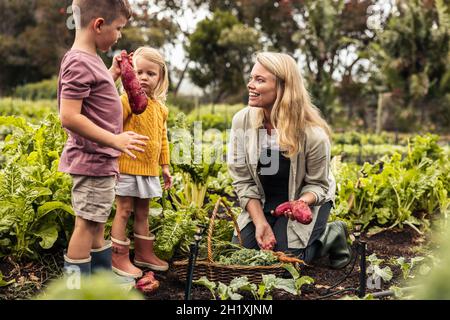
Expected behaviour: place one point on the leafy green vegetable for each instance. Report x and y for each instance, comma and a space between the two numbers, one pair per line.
34, 196
395, 191
261, 291
249, 257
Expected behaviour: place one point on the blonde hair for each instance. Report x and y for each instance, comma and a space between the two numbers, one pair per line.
293, 110
153, 55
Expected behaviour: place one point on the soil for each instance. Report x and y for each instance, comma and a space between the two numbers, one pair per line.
386, 245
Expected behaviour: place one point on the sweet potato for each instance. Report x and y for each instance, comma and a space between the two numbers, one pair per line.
300, 211
148, 283
136, 94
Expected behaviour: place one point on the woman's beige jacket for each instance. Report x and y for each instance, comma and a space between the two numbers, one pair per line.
310, 171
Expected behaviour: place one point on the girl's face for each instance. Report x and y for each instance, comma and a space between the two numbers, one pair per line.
262, 88
148, 74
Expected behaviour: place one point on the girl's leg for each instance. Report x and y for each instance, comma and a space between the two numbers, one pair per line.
124, 208
121, 263
83, 235
143, 240
141, 207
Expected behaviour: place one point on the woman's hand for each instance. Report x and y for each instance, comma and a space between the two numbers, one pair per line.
265, 237
167, 177
295, 210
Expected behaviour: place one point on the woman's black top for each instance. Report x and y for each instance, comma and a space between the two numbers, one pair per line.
274, 178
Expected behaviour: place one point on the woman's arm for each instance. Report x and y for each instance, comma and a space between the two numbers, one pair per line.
318, 157
263, 231
245, 186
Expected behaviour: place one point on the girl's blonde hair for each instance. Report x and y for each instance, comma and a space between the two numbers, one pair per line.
153, 55
293, 110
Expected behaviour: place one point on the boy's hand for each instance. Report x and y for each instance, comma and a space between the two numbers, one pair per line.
167, 177
115, 67
128, 140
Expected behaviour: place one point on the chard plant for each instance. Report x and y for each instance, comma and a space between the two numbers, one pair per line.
261, 291
375, 269
34, 196
198, 162
395, 192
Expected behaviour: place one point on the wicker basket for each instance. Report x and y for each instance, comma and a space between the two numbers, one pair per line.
219, 272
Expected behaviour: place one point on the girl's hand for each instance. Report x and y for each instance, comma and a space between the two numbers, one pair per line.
167, 177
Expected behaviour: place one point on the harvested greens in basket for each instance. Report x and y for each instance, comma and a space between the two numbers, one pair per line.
250, 257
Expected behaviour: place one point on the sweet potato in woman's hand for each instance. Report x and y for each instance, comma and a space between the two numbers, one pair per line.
299, 209
136, 94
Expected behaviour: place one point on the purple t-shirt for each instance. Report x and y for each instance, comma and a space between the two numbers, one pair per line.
84, 76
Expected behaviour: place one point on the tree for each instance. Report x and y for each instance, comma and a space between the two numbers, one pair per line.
325, 35
221, 49
274, 19
32, 34
412, 55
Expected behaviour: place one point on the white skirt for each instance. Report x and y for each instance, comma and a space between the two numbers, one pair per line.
142, 187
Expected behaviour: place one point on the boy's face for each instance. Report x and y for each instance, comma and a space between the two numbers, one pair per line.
108, 35
148, 74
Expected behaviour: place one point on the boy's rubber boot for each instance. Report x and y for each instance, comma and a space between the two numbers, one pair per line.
102, 261
102, 258
334, 243
121, 263
144, 256
76, 271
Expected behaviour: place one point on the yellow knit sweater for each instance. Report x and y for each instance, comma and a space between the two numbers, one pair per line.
152, 123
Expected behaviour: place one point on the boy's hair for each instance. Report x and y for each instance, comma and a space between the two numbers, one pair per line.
109, 10
153, 55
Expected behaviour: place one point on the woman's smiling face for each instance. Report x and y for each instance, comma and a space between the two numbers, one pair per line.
262, 87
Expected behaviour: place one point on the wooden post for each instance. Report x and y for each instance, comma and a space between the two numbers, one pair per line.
379, 113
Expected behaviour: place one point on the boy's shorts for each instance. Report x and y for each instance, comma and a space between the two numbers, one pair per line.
93, 197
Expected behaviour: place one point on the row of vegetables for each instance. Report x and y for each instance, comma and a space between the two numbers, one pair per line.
35, 214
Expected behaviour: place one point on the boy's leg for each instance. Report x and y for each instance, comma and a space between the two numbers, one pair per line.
77, 259
99, 238
80, 243
121, 263
144, 255
101, 251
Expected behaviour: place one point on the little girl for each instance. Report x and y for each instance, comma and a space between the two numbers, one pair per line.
139, 178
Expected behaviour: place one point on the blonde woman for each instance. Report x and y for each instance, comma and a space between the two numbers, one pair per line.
279, 160
139, 178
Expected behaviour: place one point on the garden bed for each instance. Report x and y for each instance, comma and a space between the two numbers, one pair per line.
31, 278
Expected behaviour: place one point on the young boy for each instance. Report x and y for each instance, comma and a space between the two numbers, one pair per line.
91, 112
